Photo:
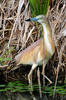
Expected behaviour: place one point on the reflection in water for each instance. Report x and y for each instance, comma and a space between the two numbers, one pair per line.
27, 96
17, 96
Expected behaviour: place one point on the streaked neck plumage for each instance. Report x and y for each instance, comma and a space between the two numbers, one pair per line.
48, 42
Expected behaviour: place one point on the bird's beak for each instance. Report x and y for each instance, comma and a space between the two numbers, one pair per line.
28, 19
32, 19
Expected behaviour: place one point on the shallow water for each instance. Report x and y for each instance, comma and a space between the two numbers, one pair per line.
27, 96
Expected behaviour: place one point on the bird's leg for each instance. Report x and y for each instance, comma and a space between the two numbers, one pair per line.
30, 73
44, 76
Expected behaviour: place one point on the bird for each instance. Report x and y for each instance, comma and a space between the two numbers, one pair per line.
33, 54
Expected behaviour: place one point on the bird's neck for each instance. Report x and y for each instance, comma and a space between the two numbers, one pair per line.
48, 42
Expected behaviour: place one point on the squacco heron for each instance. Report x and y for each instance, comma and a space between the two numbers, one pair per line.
33, 55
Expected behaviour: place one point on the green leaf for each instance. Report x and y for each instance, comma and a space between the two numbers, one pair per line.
39, 6
5, 59
2, 85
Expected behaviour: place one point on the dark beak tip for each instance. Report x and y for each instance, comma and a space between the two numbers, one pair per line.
27, 19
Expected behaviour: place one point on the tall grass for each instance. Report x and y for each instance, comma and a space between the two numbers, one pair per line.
38, 6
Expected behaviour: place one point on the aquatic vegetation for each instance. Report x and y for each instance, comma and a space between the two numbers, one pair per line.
18, 86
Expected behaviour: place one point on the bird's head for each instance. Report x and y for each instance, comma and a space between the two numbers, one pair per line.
40, 18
